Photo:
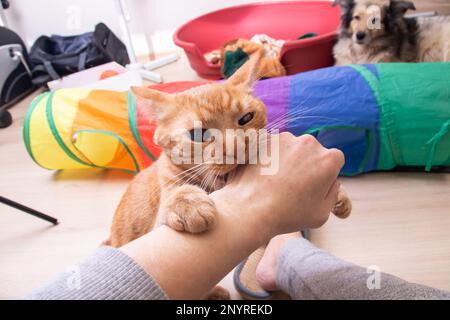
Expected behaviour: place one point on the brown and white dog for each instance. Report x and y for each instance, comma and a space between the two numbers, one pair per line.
375, 31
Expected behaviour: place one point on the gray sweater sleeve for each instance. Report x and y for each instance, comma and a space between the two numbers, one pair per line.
306, 272
107, 274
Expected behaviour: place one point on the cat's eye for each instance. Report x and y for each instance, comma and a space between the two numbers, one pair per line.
199, 135
246, 118
357, 18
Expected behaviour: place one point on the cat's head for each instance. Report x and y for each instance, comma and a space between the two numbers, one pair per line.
191, 120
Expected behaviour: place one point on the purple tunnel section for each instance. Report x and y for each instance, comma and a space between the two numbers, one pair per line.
275, 95
336, 105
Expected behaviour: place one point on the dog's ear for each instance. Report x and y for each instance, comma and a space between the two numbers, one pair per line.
395, 13
346, 11
399, 8
342, 3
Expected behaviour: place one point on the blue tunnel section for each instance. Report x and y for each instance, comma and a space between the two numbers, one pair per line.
338, 107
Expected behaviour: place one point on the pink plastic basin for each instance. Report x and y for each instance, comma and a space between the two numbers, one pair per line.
280, 20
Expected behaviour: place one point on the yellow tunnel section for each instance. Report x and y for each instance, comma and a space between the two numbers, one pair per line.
80, 128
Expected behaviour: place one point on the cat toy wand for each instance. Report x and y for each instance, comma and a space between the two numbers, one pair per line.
33, 212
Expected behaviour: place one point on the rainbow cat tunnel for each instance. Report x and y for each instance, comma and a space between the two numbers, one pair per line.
381, 116
83, 128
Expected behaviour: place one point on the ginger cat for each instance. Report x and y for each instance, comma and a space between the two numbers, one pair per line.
177, 194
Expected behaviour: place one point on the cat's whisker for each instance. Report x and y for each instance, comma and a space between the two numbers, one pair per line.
182, 175
215, 175
205, 175
309, 117
197, 174
280, 120
284, 116
201, 171
210, 183
206, 180
297, 111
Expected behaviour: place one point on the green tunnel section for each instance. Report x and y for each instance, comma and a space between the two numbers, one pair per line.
414, 102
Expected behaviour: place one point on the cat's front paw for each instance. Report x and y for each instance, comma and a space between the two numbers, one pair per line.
189, 208
343, 206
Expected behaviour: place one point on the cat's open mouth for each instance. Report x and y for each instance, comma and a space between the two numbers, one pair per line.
224, 177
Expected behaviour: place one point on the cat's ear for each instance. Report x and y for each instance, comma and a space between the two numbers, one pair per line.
157, 101
248, 73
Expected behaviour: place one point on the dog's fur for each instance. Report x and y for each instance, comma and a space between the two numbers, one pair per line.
396, 38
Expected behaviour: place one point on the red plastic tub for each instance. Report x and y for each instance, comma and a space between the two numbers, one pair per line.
285, 20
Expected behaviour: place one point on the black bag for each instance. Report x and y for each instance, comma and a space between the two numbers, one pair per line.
15, 79
57, 56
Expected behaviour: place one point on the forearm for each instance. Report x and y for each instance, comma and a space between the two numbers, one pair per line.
306, 272
187, 266
108, 274
184, 265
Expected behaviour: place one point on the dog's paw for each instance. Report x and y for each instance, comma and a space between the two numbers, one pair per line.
343, 206
188, 208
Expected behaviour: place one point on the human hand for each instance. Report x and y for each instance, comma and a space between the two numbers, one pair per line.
299, 195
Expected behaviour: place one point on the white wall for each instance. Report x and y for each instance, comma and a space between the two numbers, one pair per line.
153, 21
32, 18
163, 17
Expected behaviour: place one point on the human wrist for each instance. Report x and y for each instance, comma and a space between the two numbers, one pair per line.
246, 215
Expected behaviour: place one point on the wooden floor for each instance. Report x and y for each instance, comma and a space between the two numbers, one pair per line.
401, 221
441, 6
